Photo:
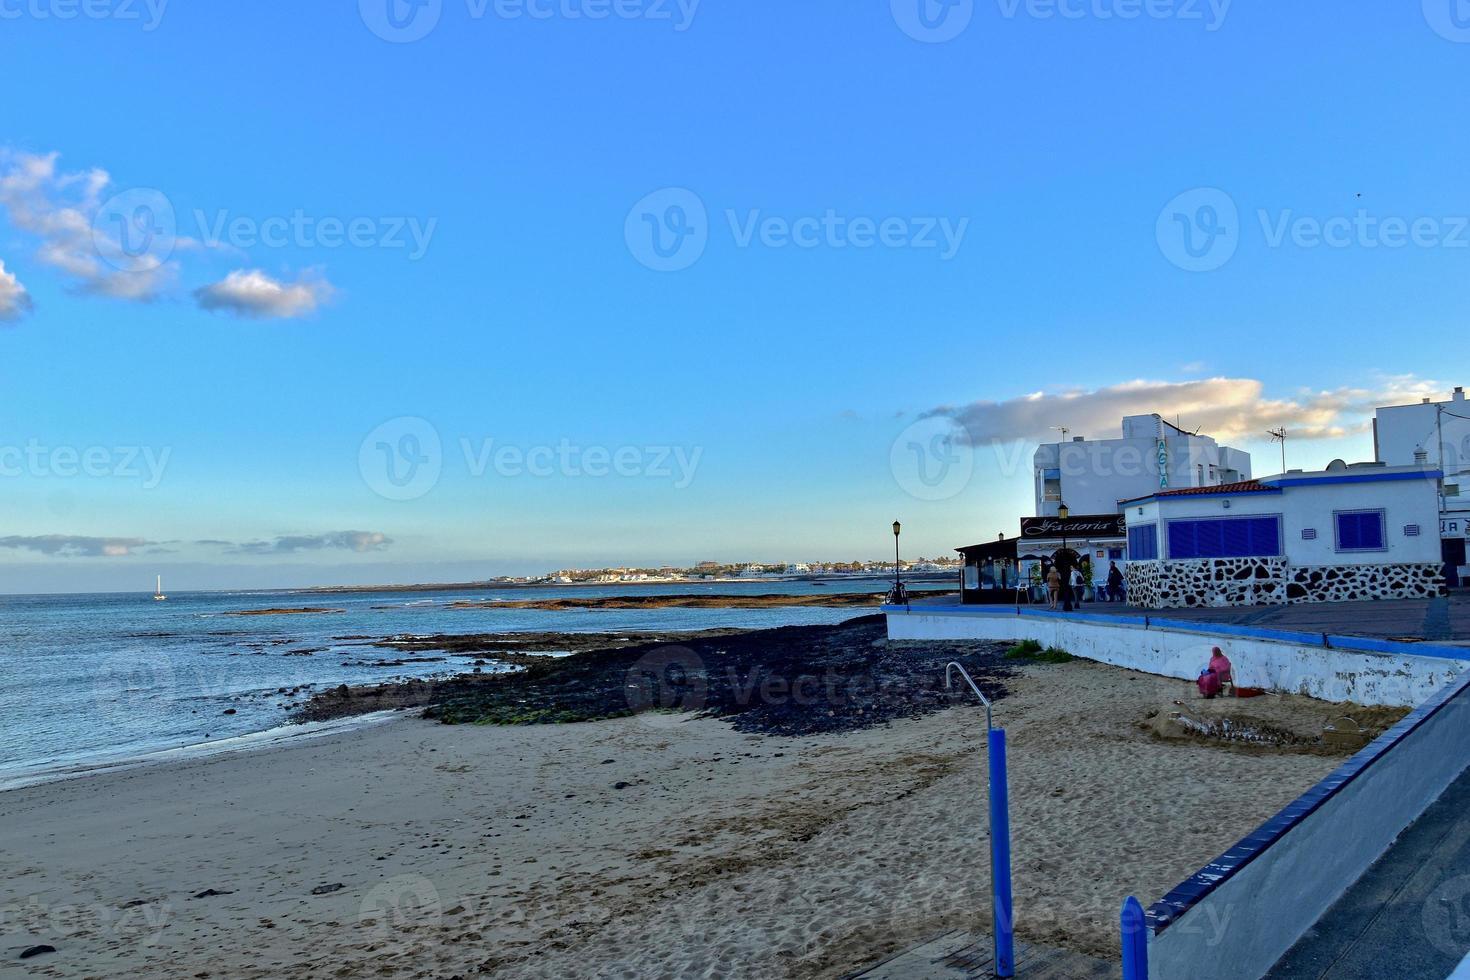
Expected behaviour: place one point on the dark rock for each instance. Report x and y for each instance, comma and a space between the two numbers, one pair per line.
327, 889
37, 951
229, 711
621, 785
212, 893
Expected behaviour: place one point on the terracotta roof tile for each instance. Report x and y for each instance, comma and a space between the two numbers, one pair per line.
1245, 486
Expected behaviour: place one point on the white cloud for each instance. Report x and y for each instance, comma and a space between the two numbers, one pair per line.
61, 208
1226, 408
252, 293
74, 545
358, 541
15, 302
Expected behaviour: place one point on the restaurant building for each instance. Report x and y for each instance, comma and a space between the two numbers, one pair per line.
1365, 531
1013, 569
1087, 480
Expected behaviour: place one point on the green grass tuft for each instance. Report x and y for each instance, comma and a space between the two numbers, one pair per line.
1031, 650
1025, 650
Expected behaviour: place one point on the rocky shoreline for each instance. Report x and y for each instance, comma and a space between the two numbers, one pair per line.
838, 600
789, 681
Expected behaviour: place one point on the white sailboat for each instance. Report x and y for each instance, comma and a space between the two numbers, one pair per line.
158, 595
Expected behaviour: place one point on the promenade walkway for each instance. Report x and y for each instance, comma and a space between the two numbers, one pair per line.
1408, 917
1443, 620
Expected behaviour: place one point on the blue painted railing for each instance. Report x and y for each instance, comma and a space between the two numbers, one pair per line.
1000, 856
1135, 940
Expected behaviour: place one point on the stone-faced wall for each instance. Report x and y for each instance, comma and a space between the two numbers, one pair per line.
1206, 582
1269, 581
1342, 583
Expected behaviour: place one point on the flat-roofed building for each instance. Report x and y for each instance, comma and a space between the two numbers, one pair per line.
1092, 476
1435, 434
1366, 531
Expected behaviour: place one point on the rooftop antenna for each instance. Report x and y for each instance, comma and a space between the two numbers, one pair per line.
1063, 430
1280, 434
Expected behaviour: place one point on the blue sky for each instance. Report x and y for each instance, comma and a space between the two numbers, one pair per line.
529, 152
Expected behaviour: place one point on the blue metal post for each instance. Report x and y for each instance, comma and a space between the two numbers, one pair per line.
1000, 857
1135, 941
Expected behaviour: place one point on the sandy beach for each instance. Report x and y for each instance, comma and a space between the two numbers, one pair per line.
657, 845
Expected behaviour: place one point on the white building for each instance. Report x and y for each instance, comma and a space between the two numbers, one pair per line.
1435, 434
1092, 476
1366, 531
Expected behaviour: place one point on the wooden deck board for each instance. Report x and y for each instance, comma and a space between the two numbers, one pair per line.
970, 956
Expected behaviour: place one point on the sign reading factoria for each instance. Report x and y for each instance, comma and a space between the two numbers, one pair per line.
1080, 526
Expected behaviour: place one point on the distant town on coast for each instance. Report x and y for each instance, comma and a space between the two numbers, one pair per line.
705, 571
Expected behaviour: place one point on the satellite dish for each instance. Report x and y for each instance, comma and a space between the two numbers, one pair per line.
1337, 466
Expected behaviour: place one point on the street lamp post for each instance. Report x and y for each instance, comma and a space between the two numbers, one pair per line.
1063, 513
898, 596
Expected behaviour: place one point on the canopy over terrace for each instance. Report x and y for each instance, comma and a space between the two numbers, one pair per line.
990, 571
994, 569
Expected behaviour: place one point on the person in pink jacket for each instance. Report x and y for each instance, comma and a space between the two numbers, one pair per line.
1220, 664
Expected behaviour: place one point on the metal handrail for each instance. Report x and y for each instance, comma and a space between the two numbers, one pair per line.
949, 670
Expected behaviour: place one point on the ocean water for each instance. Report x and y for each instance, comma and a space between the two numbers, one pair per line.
89, 680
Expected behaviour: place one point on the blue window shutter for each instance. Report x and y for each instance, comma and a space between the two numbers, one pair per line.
1183, 542
1373, 530
1269, 540
1237, 536
1234, 537
1361, 531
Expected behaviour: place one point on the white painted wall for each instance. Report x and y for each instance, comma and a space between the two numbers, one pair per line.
1405, 502
1097, 473
1244, 926
1316, 671
1442, 430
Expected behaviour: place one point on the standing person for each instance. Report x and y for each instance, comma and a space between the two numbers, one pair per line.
1053, 587
1079, 585
1116, 589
